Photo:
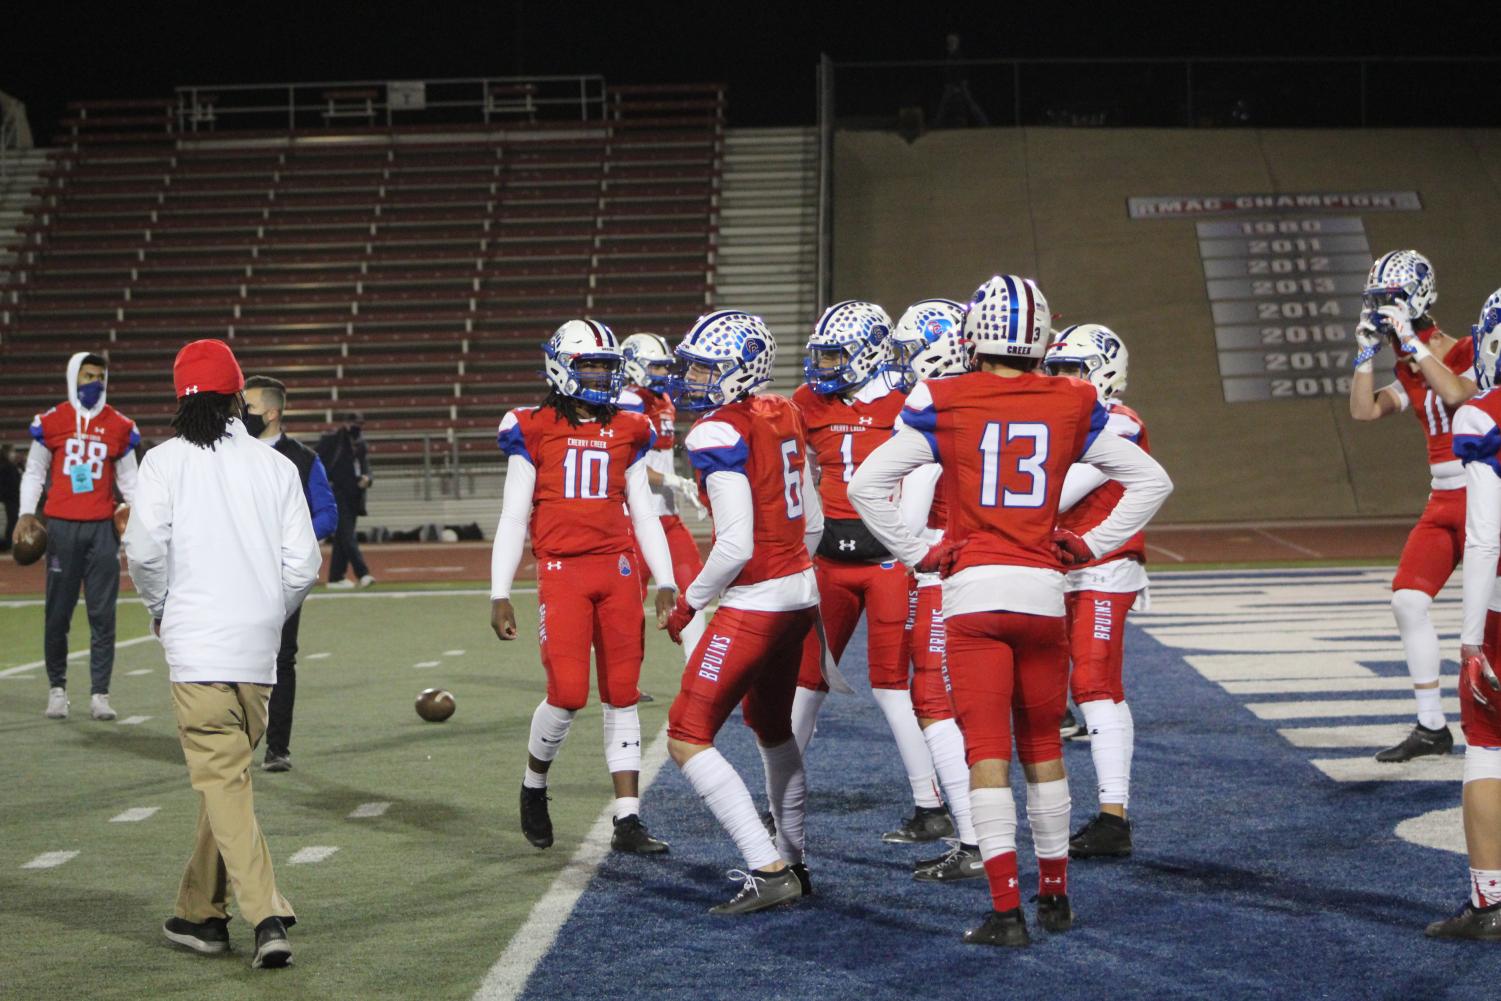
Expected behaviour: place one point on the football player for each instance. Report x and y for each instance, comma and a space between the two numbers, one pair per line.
1477, 443
850, 407
1101, 591
573, 466
1006, 435
647, 365
1435, 374
749, 453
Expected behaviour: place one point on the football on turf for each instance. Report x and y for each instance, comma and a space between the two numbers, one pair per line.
435, 705
29, 546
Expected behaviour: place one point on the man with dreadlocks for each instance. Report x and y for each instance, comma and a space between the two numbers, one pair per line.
574, 464
219, 610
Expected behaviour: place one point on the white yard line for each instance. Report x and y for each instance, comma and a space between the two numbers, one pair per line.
134, 815
135, 720
137, 673
119, 645
426, 663
508, 977
312, 853
465, 592
453, 653
318, 656
369, 810
49, 860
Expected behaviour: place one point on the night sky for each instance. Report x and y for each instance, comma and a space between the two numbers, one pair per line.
61, 51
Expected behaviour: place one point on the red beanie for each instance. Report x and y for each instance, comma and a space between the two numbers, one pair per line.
206, 366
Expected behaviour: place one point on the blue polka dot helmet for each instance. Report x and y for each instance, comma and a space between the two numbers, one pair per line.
858, 333
738, 351
1487, 335
1403, 278
1098, 353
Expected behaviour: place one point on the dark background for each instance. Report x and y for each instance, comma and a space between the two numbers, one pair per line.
766, 52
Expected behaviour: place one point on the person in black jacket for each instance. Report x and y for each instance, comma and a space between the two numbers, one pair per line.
10, 492
347, 459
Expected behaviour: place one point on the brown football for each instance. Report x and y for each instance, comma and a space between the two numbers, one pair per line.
435, 705
29, 546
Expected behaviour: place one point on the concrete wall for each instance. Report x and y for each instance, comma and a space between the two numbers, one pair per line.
938, 216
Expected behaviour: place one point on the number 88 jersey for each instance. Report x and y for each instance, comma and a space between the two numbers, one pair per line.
1005, 445
578, 503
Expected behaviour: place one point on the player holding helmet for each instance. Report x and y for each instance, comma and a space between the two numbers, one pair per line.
750, 457
573, 465
1006, 435
1434, 377
1101, 591
850, 407
1477, 443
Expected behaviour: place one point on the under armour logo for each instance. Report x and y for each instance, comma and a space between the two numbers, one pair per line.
1051, 881
1011, 883
846, 545
189, 391
554, 564
607, 432
867, 420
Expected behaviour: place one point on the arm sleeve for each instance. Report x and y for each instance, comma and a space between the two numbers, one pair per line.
38, 465
510, 532
147, 538
1482, 548
734, 536
125, 475
300, 556
1147, 487
876, 480
320, 499
647, 526
812, 512
1081, 481
918, 488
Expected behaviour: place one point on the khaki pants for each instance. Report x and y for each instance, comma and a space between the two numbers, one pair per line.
219, 726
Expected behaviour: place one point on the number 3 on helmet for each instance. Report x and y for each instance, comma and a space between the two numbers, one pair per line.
1097, 352
1008, 317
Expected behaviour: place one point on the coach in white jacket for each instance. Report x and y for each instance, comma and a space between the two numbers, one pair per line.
221, 550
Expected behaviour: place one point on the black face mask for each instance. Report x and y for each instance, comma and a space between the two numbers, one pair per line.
354, 431
254, 423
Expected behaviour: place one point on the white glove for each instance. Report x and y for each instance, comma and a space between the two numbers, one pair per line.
686, 489
1399, 323
1369, 340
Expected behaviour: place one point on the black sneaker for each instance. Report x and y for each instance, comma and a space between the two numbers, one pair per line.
959, 862
1105, 836
208, 937
761, 890
272, 950
630, 836
1008, 928
927, 823
1418, 743
643, 697
800, 870
770, 823
1054, 913
277, 762
1480, 923
536, 824
1070, 726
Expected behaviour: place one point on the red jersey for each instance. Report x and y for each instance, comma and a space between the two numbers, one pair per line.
578, 504
92, 444
1430, 410
658, 409
1099, 502
841, 433
938, 510
1005, 445
762, 438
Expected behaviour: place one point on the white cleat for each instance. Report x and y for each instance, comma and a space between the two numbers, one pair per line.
366, 580
341, 585
99, 707
57, 703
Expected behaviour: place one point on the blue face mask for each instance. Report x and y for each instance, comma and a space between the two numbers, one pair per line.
89, 394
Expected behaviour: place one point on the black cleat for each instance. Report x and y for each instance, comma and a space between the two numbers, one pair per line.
1420, 742
632, 836
643, 697
927, 823
208, 937
277, 762
959, 862
1105, 836
1008, 928
1054, 913
1480, 923
770, 823
1070, 725
272, 950
536, 824
800, 870
761, 890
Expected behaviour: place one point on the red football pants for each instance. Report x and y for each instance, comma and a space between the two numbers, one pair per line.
584, 602
930, 683
686, 561
1005, 668
742, 655
1434, 546
1097, 643
845, 590
1480, 728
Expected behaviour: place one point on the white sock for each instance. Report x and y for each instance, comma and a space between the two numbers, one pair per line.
805, 703
693, 632
534, 780
787, 792
896, 703
622, 732
1485, 887
1107, 746
995, 821
1048, 806
1420, 641
724, 793
946, 745
626, 806
1128, 727
549, 729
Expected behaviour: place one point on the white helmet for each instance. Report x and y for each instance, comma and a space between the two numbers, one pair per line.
736, 347
858, 331
1401, 277
641, 351
918, 333
1008, 317
582, 340
1099, 353
1487, 335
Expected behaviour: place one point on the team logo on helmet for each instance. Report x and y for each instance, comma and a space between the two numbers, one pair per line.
924, 341
726, 355
855, 333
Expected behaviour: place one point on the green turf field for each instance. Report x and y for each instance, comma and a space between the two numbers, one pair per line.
416, 903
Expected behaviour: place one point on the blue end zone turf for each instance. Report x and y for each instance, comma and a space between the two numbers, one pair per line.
1255, 876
